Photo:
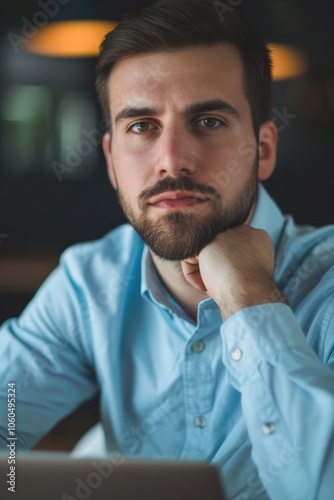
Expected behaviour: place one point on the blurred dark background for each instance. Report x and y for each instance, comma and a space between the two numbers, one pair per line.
48, 108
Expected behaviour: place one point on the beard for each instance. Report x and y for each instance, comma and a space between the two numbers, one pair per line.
182, 234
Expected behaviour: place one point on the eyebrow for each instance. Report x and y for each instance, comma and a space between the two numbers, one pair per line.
213, 105
201, 107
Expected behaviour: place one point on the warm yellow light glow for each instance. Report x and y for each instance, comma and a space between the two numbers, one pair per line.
70, 38
288, 61
82, 39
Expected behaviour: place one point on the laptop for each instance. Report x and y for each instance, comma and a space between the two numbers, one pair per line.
56, 476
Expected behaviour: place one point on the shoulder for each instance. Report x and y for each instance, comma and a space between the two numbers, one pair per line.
305, 274
116, 252
305, 250
305, 266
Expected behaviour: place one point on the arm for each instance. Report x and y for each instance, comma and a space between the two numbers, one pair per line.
287, 393
45, 355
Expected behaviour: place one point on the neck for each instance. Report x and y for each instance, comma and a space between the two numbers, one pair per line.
172, 277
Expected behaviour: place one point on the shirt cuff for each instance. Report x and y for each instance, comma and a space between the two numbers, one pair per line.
254, 334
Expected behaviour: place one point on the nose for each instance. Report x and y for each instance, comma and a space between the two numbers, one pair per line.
175, 153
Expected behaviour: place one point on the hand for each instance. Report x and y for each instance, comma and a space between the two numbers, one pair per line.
236, 270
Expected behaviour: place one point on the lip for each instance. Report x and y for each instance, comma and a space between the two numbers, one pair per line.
176, 195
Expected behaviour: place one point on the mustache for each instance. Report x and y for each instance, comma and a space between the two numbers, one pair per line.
176, 184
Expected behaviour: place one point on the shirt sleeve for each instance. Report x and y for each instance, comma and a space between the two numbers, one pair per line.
287, 397
45, 358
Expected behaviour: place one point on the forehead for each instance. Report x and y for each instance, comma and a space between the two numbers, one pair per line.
179, 77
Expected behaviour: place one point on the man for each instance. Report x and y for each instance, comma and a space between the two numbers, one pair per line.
207, 325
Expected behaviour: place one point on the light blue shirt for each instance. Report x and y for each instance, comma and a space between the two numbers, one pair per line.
253, 395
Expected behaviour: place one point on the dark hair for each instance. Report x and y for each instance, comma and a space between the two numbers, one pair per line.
174, 24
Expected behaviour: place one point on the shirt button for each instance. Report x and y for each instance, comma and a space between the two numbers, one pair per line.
236, 354
268, 428
198, 346
200, 422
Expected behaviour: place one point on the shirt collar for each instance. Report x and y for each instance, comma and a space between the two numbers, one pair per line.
153, 289
266, 216
151, 284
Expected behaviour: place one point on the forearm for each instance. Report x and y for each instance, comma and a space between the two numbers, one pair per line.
287, 400
40, 353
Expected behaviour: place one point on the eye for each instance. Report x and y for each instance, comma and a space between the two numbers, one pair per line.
140, 127
211, 122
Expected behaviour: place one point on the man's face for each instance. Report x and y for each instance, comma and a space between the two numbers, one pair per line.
183, 152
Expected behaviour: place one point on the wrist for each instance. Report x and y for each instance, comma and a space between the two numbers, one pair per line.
248, 297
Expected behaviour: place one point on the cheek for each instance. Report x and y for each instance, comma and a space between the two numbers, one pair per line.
140, 160
224, 170
131, 172
230, 168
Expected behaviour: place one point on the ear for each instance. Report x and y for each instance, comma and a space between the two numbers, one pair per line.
106, 146
267, 149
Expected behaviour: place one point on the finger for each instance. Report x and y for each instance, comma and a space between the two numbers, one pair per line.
191, 260
192, 274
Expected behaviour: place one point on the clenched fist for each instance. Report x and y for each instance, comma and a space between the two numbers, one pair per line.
236, 270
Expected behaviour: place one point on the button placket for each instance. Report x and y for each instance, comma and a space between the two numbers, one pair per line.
200, 422
198, 346
268, 428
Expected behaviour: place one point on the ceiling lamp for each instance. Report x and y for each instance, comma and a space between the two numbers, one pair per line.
70, 38
288, 61
83, 38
